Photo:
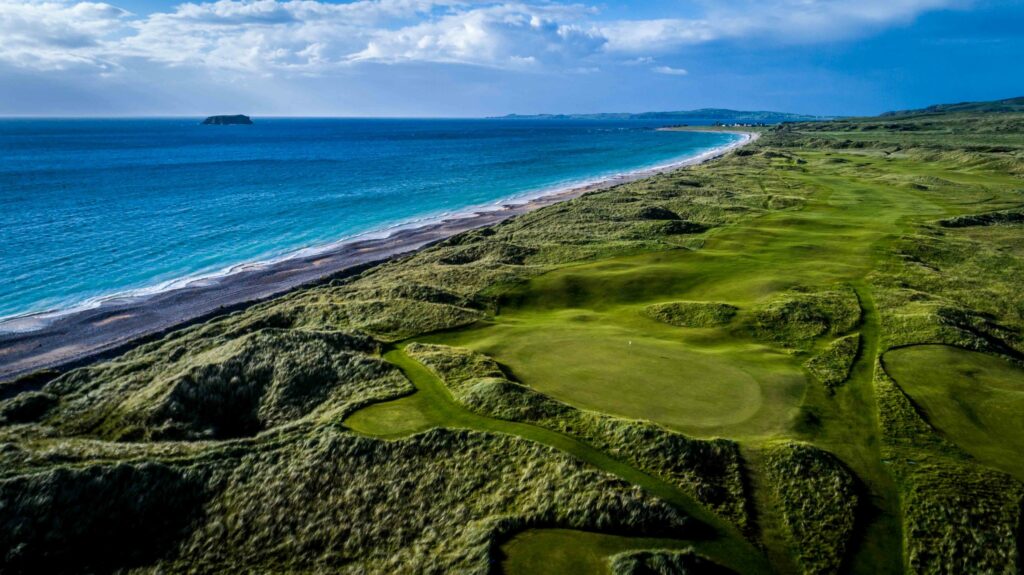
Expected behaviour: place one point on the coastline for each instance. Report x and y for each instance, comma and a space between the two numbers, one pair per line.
84, 335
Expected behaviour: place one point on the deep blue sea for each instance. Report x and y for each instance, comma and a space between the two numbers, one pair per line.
91, 208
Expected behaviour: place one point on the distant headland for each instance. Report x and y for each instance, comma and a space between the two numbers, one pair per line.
236, 120
704, 114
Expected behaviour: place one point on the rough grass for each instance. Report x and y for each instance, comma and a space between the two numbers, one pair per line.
795, 319
26, 407
832, 366
961, 288
323, 505
225, 388
98, 518
818, 499
987, 219
692, 314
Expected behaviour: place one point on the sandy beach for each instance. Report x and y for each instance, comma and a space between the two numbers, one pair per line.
80, 337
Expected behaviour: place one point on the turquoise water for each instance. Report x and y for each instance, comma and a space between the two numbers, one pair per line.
91, 208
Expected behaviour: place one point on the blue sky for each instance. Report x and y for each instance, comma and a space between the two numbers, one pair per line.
476, 58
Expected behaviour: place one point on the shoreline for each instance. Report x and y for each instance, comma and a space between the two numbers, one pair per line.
79, 336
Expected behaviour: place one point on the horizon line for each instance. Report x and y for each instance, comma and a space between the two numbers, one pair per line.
399, 117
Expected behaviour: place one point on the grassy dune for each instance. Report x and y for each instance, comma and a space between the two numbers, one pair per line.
805, 357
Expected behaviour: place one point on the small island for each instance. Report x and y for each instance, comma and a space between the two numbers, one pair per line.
236, 120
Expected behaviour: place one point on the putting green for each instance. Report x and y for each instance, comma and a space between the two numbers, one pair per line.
398, 418
567, 552
605, 366
975, 399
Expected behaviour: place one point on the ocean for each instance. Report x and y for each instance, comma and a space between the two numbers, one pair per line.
93, 208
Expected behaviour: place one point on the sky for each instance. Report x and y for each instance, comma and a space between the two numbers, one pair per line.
455, 58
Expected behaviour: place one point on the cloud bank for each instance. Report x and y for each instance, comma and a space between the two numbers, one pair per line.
311, 37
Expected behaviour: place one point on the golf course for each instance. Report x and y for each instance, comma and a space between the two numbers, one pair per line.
805, 357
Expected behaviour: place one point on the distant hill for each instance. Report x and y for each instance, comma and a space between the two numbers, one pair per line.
994, 106
715, 114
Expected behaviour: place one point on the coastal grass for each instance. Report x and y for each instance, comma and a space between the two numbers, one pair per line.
804, 357
832, 366
957, 515
692, 314
551, 333
818, 500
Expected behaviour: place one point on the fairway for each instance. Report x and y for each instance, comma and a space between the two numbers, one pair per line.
976, 400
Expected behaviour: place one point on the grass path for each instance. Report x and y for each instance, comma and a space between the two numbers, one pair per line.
723, 544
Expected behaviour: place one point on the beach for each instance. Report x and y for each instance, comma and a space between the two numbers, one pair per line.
80, 337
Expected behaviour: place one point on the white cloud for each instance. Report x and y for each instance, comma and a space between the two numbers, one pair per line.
781, 21
268, 35
669, 71
56, 35
639, 61
646, 36
265, 37
506, 36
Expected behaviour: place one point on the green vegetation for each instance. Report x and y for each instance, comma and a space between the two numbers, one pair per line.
818, 500
221, 386
832, 366
692, 313
624, 382
795, 319
690, 390
1015, 216
958, 516
397, 418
